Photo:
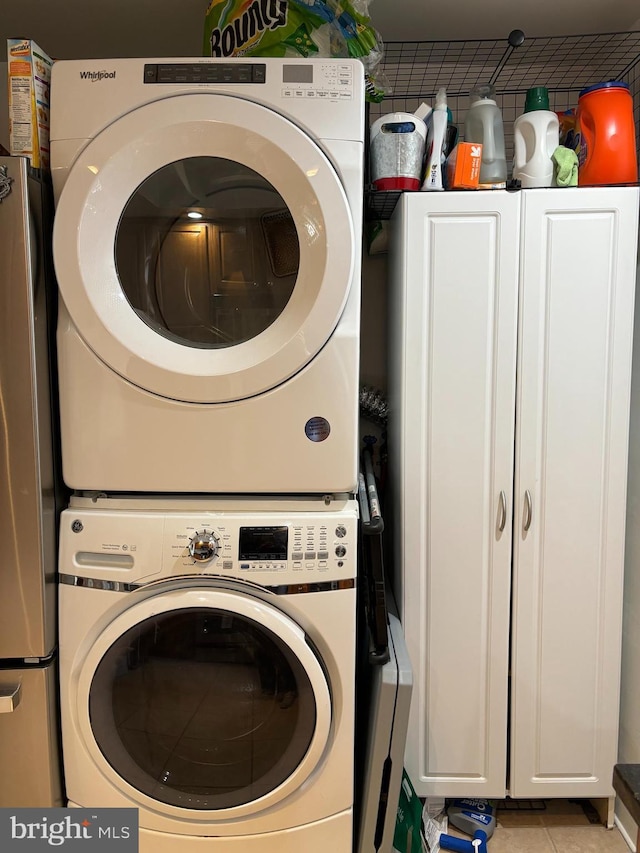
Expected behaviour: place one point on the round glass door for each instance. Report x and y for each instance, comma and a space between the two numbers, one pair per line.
207, 252
202, 708
204, 248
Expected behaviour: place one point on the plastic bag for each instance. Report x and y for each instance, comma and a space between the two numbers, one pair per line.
306, 28
406, 838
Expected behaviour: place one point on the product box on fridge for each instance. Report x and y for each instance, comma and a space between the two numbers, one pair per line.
29, 78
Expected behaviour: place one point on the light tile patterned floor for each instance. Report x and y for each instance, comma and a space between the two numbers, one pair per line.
562, 826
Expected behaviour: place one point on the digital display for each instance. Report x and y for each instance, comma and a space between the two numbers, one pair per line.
297, 73
263, 543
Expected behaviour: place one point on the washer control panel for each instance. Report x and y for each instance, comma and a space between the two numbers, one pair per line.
305, 546
267, 548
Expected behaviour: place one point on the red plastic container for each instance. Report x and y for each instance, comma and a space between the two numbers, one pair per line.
607, 152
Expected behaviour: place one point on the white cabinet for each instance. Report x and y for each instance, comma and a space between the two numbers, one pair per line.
511, 330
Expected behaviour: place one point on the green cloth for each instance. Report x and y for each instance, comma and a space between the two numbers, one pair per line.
565, 167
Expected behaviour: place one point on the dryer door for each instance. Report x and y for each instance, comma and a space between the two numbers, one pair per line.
204, 700
204, 247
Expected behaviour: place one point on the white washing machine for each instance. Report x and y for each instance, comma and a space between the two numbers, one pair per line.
207, 242
207, 665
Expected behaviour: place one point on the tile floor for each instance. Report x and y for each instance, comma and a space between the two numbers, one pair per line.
555, 826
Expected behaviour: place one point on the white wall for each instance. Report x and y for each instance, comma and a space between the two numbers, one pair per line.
408, 20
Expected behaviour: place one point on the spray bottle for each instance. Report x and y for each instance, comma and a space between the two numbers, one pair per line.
436, 137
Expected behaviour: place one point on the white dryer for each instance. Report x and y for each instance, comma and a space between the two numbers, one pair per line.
207, 666
207, 243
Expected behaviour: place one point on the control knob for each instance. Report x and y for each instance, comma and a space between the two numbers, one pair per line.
204, 546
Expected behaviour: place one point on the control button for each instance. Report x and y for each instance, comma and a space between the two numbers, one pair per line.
323, 555
287, 93
341, 531
245, 566
310, 93
204, 546
310, 555
310, 565
227, 564
150, 73
297, 555
323, 564
340, 551
297, 565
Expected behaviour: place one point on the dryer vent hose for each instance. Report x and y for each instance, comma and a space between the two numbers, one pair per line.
373, 405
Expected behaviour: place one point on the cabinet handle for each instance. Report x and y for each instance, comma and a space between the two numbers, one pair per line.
528, 505
503, 512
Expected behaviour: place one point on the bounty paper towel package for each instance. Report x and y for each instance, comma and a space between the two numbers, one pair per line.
296, 28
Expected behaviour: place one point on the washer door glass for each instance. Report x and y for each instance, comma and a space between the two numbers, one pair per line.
207, 252
201, 708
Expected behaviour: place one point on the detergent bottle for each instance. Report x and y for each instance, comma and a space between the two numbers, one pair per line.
469, 815
483, 124
536, 135
607, 136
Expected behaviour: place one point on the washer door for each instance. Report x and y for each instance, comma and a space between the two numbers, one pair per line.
204, 247
204, 700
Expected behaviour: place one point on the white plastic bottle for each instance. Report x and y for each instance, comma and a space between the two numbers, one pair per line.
436, 134
483, 124
536, 135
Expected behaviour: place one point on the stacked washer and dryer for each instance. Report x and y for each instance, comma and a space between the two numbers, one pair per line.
207, 250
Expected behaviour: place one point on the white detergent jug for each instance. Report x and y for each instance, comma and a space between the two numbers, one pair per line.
536, 136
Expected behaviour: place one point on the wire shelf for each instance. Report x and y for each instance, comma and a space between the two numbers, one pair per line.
564, 64
567, 63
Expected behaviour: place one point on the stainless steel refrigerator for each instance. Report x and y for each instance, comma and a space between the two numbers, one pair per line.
29, 496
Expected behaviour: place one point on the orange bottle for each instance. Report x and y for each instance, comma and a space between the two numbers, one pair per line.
607, 148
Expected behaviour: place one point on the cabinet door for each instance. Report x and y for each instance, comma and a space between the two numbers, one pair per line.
576, 296
453, 309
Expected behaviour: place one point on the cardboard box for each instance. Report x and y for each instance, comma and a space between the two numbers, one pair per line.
463, 166
29, 80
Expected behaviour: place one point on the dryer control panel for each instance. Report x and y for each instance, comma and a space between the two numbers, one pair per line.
329, 81
266, 548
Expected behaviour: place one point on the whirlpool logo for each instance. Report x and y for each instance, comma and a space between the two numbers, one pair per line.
96, 76
76, 830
